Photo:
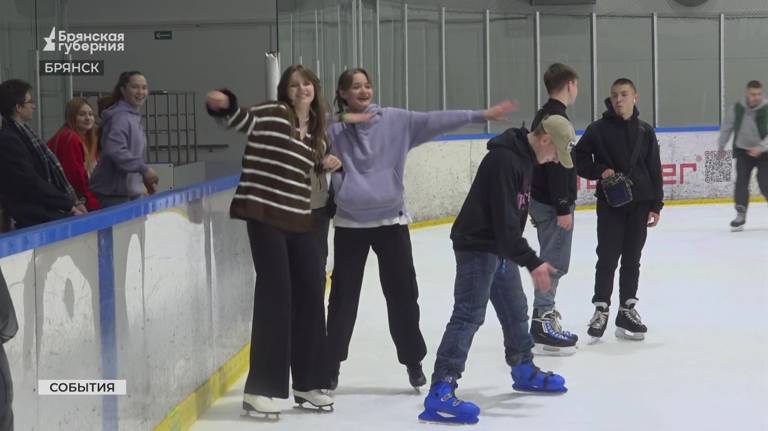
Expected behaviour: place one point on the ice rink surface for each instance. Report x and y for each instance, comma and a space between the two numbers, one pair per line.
703, 365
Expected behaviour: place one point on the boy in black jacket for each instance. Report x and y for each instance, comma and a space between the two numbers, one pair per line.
553, 194
608, 148
488, 243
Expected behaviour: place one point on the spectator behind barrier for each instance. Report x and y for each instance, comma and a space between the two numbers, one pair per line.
8, 328
33, 187
122, 174
76, 146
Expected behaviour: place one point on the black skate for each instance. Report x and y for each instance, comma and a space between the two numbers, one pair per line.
629, 326
549, 336
416, 376
737, 225
598, 322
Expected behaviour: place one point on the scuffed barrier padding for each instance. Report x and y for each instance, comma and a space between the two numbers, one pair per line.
438, 174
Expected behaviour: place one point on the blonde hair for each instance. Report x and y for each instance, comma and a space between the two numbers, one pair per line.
90, 137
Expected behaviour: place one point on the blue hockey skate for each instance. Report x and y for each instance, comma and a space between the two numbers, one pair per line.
529, 378
442, 406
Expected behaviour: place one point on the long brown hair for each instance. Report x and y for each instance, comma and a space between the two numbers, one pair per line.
90, 138
318, 109
117, 92
345, 81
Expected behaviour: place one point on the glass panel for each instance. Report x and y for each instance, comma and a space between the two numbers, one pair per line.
53, 89
465, 63
689, 72
512, 67
391, 84
304, 39
566, 39
625, 50
331, 59
18, 42
285, 38
424, 60
369, 39
746, 55
347, 35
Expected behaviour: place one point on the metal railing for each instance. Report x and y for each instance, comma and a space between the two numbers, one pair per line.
170, 123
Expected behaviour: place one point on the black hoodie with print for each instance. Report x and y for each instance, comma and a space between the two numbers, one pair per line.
494, 213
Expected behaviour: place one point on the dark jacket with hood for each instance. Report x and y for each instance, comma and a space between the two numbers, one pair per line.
494, 213
609, 142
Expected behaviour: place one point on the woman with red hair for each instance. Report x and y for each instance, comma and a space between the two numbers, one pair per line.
76, 146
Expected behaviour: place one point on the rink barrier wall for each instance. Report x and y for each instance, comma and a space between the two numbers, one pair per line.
159, 291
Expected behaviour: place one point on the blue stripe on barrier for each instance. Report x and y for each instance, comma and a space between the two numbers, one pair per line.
107, 326
486, 136
48, 233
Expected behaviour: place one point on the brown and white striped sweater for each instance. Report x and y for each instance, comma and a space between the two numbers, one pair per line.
275, 180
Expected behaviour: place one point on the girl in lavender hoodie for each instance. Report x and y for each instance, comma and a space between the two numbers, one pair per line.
122, 174
371, 213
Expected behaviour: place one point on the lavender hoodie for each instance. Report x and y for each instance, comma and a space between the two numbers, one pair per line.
121, 162
370, 186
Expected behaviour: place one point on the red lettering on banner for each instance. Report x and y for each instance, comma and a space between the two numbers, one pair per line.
669, 170
683, 167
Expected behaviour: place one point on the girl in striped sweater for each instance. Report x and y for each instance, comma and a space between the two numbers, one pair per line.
285, 156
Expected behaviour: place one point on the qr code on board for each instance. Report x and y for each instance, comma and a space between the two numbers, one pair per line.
717, 169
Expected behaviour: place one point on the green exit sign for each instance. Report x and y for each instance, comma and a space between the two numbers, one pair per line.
163, 35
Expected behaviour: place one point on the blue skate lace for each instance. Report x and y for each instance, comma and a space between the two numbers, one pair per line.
552, 325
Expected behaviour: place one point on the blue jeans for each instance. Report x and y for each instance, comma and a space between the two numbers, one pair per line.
555, 243
479, 277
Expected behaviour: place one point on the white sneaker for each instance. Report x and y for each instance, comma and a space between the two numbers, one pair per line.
317, 398
260, 406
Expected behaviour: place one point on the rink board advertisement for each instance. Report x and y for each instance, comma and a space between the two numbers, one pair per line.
439, 174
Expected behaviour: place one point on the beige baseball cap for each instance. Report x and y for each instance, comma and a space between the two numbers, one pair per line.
562, 134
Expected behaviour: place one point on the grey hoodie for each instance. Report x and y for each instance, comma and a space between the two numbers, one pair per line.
121, 162
748, 134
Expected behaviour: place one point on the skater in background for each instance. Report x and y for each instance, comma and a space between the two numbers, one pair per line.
553, 200
621, 151
286, 147
489, 246
747, 122
371, 213
122, 174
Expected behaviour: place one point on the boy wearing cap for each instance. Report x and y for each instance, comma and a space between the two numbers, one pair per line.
489, 246
615, 146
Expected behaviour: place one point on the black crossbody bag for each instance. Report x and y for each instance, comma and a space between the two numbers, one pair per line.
618, 188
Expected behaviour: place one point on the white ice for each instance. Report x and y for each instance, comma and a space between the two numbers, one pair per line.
703, 365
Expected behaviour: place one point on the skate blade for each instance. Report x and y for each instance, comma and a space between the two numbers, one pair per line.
440, 418
303, 404
632, 336
545, 350
530, 390
261, 416
737, 229
594, 340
